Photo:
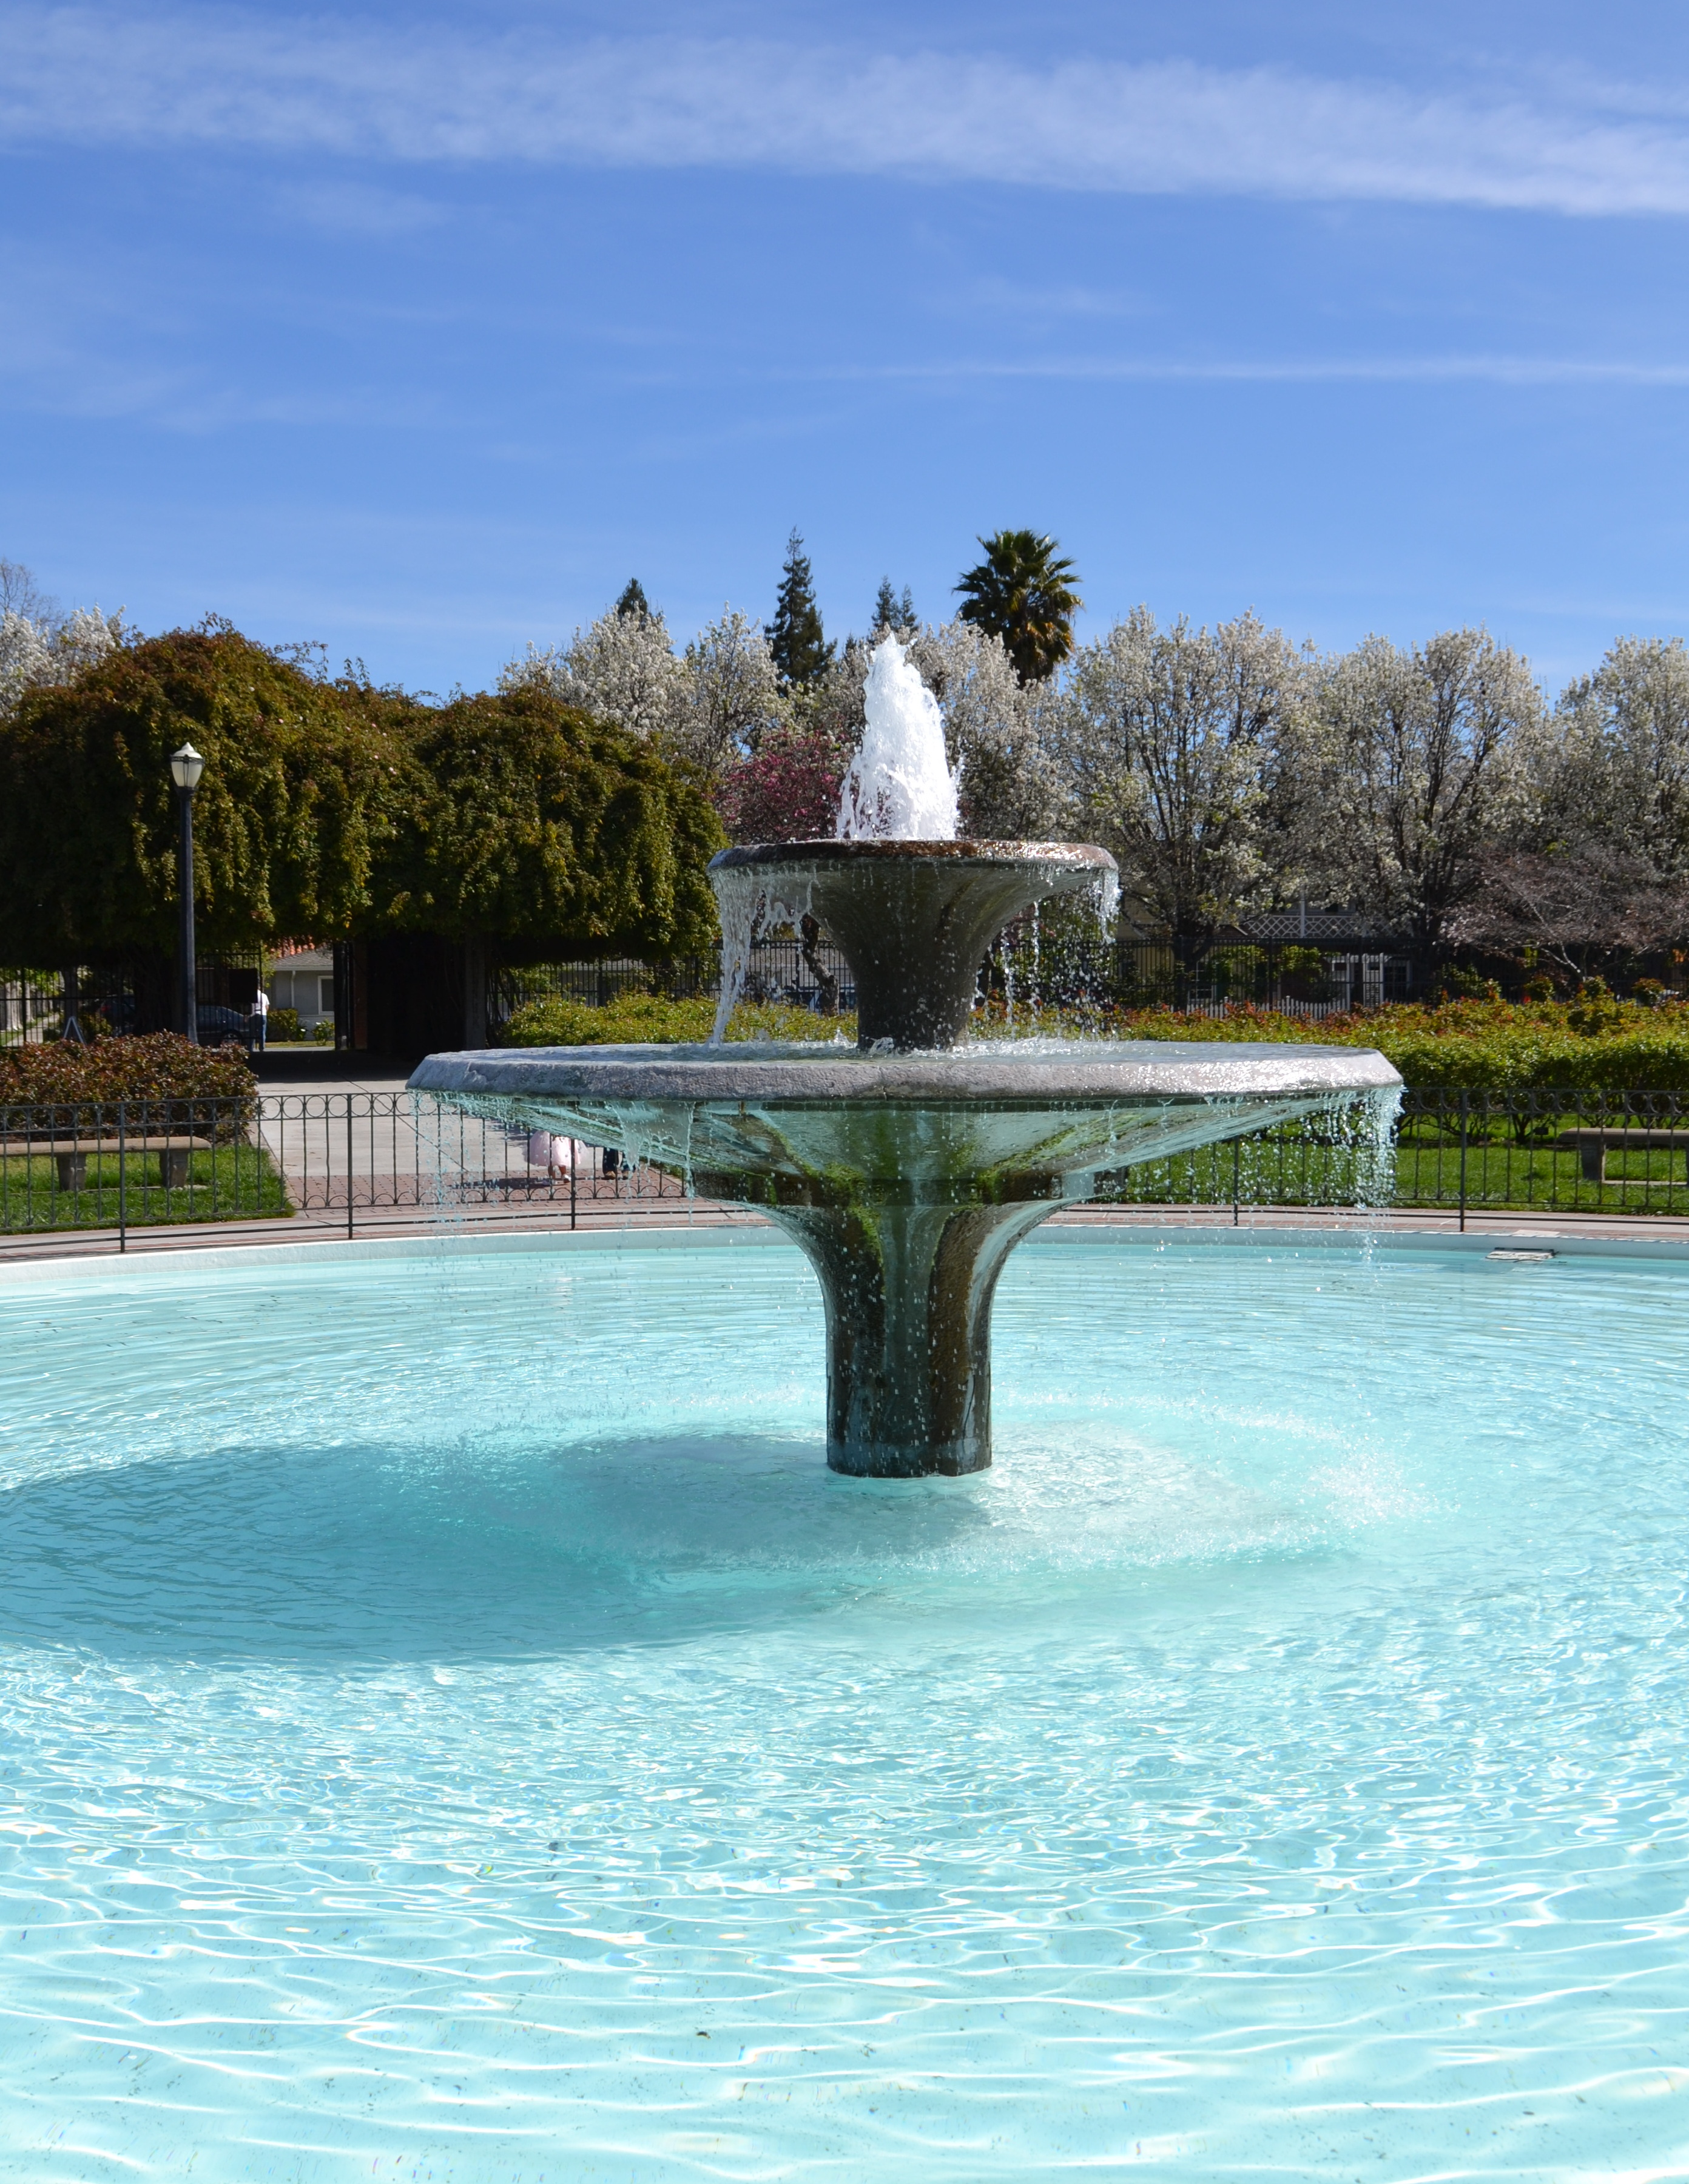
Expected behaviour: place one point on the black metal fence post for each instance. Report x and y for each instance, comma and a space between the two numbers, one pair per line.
350, 1195
123, 1175
1464, 1100
1237, 1182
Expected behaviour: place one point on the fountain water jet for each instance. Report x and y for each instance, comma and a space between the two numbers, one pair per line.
908, 1169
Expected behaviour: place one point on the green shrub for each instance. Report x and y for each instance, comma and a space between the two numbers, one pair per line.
282, 1025
1594, 1044
159, 1066
641, 1019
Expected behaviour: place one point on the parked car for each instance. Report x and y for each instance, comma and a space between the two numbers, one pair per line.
217, 1024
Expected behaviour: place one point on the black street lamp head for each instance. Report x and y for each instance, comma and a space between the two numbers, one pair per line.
186, 768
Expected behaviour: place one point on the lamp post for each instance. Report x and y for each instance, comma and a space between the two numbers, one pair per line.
186, 768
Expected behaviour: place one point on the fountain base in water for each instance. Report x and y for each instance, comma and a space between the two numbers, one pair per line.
906, 1179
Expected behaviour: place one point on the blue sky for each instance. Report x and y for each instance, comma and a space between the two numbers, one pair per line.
418, 332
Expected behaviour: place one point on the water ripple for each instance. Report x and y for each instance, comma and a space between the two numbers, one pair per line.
455, 1727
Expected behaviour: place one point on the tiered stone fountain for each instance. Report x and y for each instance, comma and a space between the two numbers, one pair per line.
908, 1168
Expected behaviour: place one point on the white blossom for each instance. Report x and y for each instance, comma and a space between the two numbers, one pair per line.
709, 707
998, 731
1426, 774
731, 694
37, 655
1614, 766
622, 670
1180, 746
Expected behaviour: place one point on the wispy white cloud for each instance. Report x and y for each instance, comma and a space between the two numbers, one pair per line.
1380, 370
216, 77
342, 207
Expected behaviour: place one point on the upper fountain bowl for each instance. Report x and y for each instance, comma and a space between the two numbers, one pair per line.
914, 920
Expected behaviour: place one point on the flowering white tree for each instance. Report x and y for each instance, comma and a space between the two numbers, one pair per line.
36, 654
731, 695
1182, 752
711, 706
623, 669
1614, 766
1426, 777
1594, 873
996, 728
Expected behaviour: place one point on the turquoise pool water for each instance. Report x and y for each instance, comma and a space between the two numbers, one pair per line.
455, 1727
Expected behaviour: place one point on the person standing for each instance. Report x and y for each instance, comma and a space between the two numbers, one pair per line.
556, 1155
260, 1018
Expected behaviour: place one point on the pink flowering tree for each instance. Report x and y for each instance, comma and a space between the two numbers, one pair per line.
787, 790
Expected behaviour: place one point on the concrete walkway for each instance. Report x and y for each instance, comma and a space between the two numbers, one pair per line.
386, 1147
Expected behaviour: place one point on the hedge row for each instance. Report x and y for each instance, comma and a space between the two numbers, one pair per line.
160, 1065
1479, 1046
1488, 1046
641, 1019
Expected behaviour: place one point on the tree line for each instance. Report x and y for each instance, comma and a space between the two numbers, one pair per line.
1435, 791
332, 808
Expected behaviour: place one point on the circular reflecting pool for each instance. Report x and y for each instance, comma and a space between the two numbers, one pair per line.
455, 1727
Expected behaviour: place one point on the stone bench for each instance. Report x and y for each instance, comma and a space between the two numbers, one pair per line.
1593, 1146
71, 1154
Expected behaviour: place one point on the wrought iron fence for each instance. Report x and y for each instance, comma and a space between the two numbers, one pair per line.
1071, 964
1303, 978
1461, 1152
85, 1002
334, 1160
778, 970
1076, 965
347, 1161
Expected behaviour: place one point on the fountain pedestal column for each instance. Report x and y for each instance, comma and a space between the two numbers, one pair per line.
906, 1179
907, 1281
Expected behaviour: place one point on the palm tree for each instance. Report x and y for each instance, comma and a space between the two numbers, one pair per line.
1023, 592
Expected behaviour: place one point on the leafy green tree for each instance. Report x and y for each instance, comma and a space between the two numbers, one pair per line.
633, 601
796, 643
894, 615
524, 823
294, 801
1022, 592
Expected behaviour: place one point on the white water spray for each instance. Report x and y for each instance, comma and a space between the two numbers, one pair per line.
748, 900
900, 786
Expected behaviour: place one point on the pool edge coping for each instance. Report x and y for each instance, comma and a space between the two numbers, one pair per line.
1094, 1235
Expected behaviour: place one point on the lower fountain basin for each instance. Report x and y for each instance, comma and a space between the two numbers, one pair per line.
442, 1683
906, 1179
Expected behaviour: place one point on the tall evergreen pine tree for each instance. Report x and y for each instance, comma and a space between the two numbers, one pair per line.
800, 653
892, 613
633, 602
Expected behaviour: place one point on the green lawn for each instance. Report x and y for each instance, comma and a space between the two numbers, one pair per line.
230, 1183
1504, 1169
